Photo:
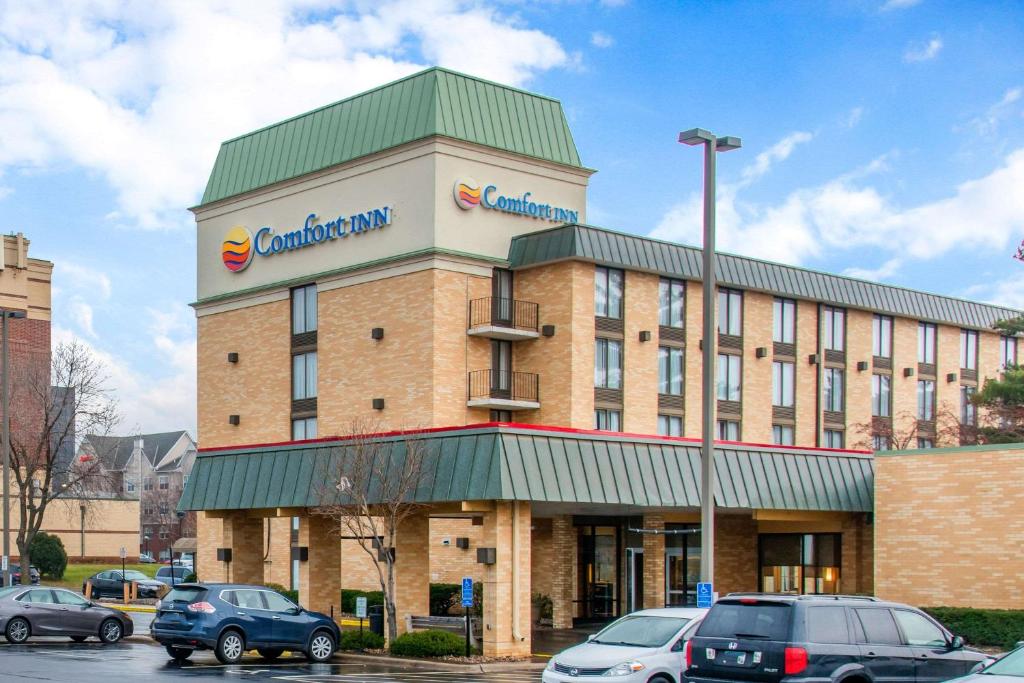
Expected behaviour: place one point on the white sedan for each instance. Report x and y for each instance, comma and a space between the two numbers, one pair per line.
644, 646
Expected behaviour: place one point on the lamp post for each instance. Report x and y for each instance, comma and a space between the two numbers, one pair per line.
6, 442
712, 145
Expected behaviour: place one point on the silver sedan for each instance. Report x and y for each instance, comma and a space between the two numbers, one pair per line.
1007, 669
27, 611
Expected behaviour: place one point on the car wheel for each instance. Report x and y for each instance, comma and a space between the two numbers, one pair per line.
270, 653
230, 647
178, 654
17, 631
78, 639
321, 647
111, 631
94, 594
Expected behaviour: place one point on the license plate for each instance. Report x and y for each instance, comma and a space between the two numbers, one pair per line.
732, 658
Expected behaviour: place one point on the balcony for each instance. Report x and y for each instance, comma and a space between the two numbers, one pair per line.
501, 318
498, 390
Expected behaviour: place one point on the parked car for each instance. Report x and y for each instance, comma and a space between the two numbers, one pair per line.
146, 558
164, 575
767, 638
644, 646
33, 575
111, 583
231, 618
1007, 669
40, 611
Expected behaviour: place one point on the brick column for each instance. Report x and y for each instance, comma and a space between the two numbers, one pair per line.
209, 533
320, 575
245, 538
506, 596
563, 571
412, 569
735, 553
654, 563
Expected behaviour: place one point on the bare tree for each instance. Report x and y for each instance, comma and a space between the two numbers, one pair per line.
45, 422
902, 431
369, 490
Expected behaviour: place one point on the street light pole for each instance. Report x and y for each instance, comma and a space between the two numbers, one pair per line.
5, 443
712, 145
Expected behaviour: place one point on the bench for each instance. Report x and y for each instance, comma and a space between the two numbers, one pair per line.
456, 625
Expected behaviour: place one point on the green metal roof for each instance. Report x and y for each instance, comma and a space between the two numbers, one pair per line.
431, 102
955, 450
633, 252
543, 465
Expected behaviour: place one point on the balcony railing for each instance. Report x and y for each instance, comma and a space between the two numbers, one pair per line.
504, 386
492, 311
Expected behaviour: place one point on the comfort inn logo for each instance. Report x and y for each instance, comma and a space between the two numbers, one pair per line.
237, 249
467, 193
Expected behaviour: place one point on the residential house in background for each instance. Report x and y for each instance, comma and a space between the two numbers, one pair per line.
154, 468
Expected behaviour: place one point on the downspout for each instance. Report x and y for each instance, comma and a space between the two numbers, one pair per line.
515, 573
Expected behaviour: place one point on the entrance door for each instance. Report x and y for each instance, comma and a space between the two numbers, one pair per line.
598, 572
634, 579
682, 564
675, 577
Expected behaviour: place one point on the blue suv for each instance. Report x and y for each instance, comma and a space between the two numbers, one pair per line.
232, 618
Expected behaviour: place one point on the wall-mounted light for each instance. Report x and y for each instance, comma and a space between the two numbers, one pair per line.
486, 555
761, 352
223, 554
377, 333
232, 357
862, 365
378, 404
234, 420
462, 543
645, 335
951, 377
300, 553
548, 330
908, 372
812, 359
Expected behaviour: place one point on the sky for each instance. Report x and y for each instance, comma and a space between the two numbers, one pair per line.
882, 139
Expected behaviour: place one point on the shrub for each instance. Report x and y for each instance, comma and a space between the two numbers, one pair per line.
191, 578
47, 553
360, 640
348, 599
429, 644
543, 604
443, 596
987, 627
290, 594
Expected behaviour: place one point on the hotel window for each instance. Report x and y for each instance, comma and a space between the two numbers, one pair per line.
922, 442
835, 328
802, 563
969, 349
304, 375
968, 411
1007, 351
833, 393
670, 370
784, 321
671, 298
149, 512
782, 384
147, 484
304, 428
501, 416
608, 420
130, 487
728, 377
834, 438
608, 292
304, 309
881, 336
926, 399
926, 343
728, 430
880, 442
881, 396
670, 425
730, 312
608, 364
164, 508
162, 482
782, 435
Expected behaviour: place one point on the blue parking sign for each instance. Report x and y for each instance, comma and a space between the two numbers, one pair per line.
704, 595
467, 592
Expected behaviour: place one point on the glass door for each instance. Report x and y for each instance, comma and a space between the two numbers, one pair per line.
598, 572
634, 579
501, 297
682, 564
501, 373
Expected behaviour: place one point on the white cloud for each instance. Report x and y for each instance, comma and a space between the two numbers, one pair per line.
853, 117
886, 270
898, 4
81, 313
1008, 292
96, 282
143, 93
849, 214
601, 39
989, 122
780, 151
923, 52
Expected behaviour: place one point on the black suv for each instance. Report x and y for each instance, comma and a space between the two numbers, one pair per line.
768, 638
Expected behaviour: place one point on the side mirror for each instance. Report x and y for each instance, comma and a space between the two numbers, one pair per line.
957, 643
591, 637
294, 611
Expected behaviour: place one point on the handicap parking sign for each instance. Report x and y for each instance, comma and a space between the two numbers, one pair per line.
704, 595
467, 592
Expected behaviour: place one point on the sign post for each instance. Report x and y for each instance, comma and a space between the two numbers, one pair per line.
467, 602
361, 614
705, 595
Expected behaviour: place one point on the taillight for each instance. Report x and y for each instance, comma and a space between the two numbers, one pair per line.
204, 607
796, 660
748, 601
689, 654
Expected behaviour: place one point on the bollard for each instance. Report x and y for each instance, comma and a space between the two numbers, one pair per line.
88, 590
127, 589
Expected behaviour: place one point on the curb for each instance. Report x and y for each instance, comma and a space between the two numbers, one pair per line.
132, 608
485, 667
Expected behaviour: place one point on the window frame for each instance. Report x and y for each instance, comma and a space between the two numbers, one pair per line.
606, 277
927, 342
607, 413
834, 327
968, 349
670, 383
1007, 348
668, 421
306, 372
730, 310
828, 389
777, 432
881, 335
301, 308
728, 425
606, 368
671, 296
783, 320
828, 435
729, 368
926, 411
780, 383
877, 408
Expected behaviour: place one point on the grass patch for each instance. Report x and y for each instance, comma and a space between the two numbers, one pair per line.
76, 574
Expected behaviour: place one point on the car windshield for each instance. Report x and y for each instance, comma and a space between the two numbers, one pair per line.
1010, 665
4, 592
135, 576
641, 631
189, 594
